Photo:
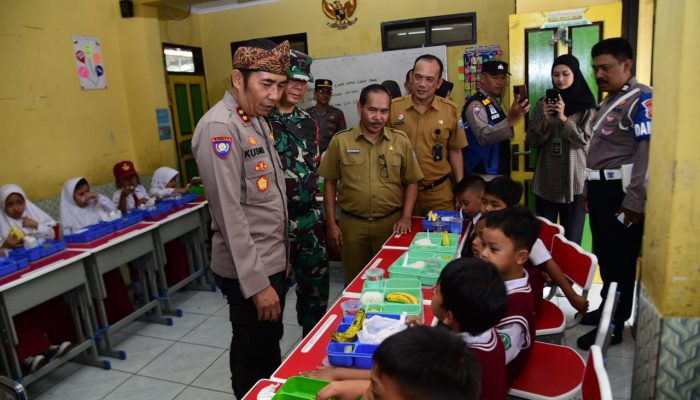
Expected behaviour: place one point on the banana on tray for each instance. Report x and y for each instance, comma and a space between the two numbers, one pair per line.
401, 297
351, 333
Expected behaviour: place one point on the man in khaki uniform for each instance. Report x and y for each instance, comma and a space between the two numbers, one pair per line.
373, 170
234, 149
432, 124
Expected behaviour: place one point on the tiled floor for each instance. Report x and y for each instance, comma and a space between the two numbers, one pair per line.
189, 360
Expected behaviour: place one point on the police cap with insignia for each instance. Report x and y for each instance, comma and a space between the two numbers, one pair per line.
323, 84
300, 66
495, 67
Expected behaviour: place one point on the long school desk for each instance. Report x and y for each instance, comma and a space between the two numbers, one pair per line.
402, 241
110, 252
382, 260
311, 352
44, 279
185, 222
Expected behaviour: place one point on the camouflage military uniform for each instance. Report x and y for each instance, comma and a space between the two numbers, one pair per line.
295, 141
330, 121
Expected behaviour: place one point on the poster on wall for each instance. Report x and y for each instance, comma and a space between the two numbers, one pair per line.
474, 57
163, 121
89, 63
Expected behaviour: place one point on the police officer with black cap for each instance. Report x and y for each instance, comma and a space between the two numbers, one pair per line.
329, 119
488, 127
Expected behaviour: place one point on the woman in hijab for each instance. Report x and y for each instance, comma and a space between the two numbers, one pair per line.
560, 131
163, 183
17, 211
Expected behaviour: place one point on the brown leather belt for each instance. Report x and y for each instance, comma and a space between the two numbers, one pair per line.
370, 218
434, 184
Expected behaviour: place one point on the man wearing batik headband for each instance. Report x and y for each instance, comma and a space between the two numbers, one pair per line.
234, 149
295, 134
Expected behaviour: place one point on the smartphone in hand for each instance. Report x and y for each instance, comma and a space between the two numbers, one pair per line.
520, 90
551, 96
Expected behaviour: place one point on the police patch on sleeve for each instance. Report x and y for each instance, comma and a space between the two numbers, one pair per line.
221, 146
643, 116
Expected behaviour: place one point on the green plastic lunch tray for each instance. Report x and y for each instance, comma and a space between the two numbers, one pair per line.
300, 388
386, 286
428, 274
436, 243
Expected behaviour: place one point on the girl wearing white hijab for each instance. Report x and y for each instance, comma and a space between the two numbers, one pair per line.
163, 183
80, 207
46, 331
17, 210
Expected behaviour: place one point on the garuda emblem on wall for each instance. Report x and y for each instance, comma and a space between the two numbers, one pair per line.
339, 13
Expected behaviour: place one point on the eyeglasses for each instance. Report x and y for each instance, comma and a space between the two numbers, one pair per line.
324, 91
384, 170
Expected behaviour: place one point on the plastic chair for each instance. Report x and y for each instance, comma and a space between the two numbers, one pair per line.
605, 326
552, 372
596, 385
548, 230
577, 265
10, 389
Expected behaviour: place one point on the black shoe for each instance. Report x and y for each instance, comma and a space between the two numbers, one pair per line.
591, 318
584, 342
616, 337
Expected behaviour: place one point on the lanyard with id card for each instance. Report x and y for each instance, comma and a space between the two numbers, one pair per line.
437, 148
557, 146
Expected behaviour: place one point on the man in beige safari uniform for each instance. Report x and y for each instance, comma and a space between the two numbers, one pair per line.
234, 149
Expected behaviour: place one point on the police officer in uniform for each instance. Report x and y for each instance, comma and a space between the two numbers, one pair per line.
295, 140
329, 119
617, 161
432, 124
373, 171
234, 149
489, 128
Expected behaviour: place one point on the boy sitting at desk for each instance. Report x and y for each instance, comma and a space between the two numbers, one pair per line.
417, 363
501, 193
508, 236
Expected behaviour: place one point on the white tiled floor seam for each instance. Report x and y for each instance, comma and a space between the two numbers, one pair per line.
211, 379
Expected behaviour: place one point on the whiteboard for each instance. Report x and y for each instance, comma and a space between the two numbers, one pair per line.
352, 73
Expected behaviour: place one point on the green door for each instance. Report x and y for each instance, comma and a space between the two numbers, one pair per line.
540, 54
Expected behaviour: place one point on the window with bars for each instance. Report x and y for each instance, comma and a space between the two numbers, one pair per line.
449, 30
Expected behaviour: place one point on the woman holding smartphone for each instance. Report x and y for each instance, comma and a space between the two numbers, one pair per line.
560, 129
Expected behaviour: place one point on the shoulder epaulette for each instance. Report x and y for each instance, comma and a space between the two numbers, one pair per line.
398, 99
398, 132
343, 131
449, 102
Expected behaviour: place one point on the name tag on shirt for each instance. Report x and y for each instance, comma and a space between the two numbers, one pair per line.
353, 151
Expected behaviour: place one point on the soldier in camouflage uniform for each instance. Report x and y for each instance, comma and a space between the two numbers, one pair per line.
295, 135
330, 119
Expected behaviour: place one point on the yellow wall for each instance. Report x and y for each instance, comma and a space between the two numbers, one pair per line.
645, 35
529, 6
288, 17
52, 130
671, 267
